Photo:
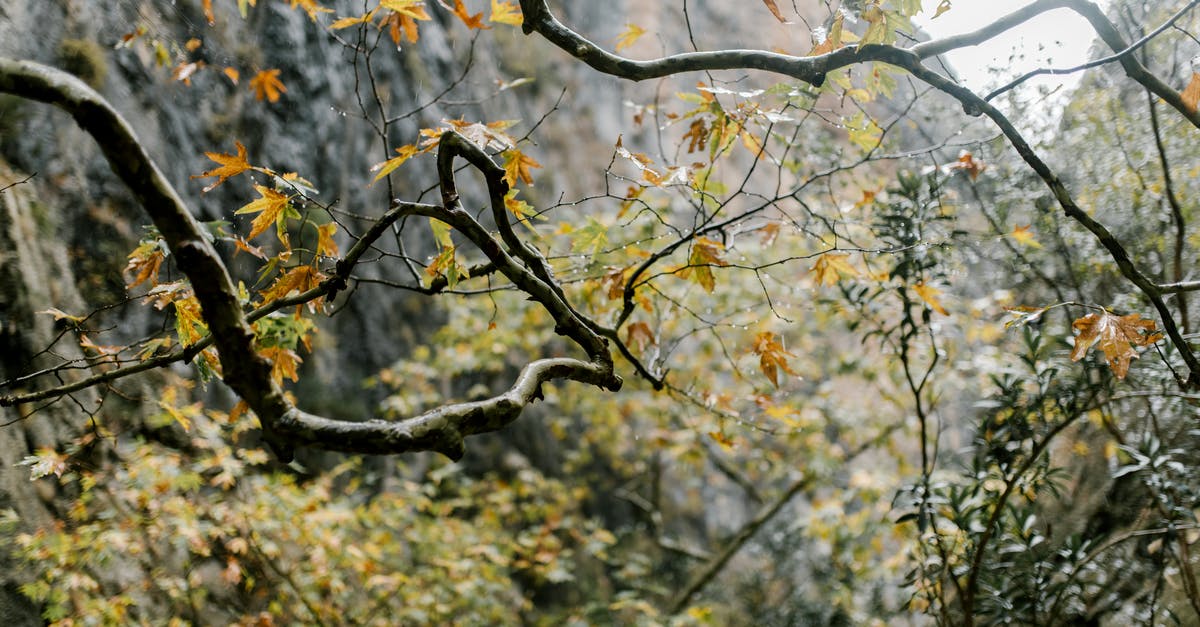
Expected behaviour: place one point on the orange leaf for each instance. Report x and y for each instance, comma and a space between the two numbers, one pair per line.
297, 279
1116, 336
775, 11
231, 74
208, 12
266, 84
1191, 93
231, 165
472, 21
326, 247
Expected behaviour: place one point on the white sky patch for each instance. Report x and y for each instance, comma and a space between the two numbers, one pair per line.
1058, 39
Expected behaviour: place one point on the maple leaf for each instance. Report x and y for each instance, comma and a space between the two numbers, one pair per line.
833, 40
269, 206
189, 324
1116, 335
1191, 93
705, 254
145, 261
877, 30
640, 335
402, 21
774, 9
630, 35
266, 84
831, 268
231, 165
446, 263
1023, 236
517, 165
326, 247
521, 209
283, 363
930, 296
406, 152
772, 356
506, 13
474, 22
297, 279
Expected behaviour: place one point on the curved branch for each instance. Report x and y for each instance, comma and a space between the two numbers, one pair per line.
1133, 68
243, 369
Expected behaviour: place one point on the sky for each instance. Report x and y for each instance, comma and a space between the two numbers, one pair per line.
1059, 38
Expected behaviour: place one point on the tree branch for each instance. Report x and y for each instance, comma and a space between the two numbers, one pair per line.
248, 374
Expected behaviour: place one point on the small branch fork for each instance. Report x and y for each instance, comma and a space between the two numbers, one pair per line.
243, 369
812, 70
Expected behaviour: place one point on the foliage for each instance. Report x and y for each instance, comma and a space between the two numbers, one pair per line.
851, 335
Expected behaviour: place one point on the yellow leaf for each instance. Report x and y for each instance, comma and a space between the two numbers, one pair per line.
231, 165
877, 30
929, 295
517, 165
1116, 336
630, 35
942, 7
326, 247
832, 267
347, 22
266, 84
1191, 93
269, 206
833, 40
506, 13
189, 324
705, 254
406, 152
1023, 236
61, 315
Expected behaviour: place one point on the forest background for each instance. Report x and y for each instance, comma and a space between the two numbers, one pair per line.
807, 335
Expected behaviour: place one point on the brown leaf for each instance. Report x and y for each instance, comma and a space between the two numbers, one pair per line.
775, 11
1116, 336
772, 356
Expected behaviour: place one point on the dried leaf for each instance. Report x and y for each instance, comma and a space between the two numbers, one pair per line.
1116, 335
774, 9
772, 356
